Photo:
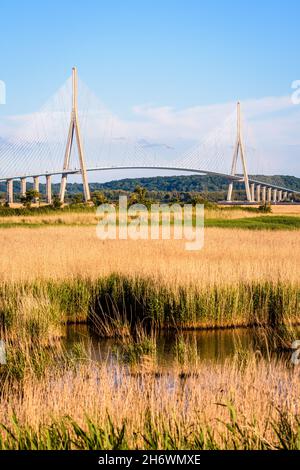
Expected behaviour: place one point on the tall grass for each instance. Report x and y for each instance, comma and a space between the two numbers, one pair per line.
39, 307
228, 257
116, 304
122, 300
88, 406
67, 434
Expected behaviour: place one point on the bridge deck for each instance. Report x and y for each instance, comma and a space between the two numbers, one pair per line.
151, 167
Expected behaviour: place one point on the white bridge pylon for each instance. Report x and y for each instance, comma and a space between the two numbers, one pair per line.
239, 150
74, 129
35, 147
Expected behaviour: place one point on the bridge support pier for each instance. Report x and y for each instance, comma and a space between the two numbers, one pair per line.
258, 193
285, 196
9, 191
275, 195
63, 185
23, 187
229, 193
252, 189
280, 195
270, 195
264, 194
36, 186
48, 189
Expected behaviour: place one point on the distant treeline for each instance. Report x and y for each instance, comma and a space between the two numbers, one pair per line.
167, 188
192, 183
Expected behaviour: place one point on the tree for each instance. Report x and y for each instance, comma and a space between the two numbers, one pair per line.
175, 198
197, 199
77, 198
56, 202
98, 198
139, 196
31, 195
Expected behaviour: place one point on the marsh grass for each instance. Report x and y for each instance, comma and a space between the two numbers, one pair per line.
228, 256
143, 301
104, 408
67, 434
186, 353
41, 309
27, 358
52, 398
137, 348
116, 305
284, 217
57, 399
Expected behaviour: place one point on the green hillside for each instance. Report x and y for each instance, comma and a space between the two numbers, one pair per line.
214, 186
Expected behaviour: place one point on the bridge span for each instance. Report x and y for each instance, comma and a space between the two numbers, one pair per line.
261, 192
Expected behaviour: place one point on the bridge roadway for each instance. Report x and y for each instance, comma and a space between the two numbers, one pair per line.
260, 190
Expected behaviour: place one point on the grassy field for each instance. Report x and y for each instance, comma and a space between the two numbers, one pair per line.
282, 217
229, 256
274, 222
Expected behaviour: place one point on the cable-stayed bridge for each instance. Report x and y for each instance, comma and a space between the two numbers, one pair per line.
74, 134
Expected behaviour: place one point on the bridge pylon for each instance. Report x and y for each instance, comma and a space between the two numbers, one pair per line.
239, 149
74, 128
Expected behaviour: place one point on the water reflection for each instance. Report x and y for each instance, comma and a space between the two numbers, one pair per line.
210, 345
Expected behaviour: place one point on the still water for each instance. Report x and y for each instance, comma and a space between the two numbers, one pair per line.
206, 345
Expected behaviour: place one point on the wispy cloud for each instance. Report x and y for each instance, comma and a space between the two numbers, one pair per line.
150, 145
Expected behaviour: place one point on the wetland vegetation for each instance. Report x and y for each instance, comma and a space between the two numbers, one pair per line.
92, 326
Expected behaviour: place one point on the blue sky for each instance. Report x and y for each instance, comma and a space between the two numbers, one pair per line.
151, 55
164, 52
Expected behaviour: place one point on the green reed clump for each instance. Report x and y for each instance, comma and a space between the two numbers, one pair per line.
115, 304
24, 311
186, 352
38, 309
143, 301
133, 348
287, 430
155, 432
74, 297
63, 434
26, 358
